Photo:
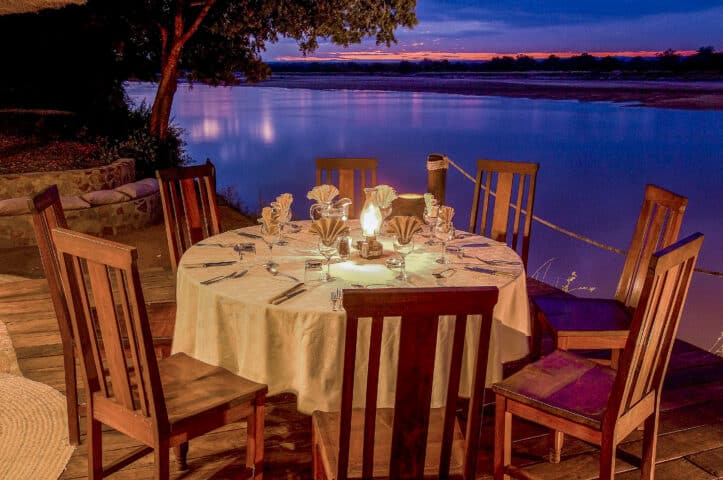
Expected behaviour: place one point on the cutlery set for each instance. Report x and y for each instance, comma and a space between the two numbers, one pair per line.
211, 280
287, 294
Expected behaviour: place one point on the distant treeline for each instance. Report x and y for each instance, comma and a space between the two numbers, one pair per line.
706, 59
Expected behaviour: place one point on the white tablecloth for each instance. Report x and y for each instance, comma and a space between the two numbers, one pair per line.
297, 346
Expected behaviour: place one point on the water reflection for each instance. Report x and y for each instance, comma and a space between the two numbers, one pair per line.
595, 161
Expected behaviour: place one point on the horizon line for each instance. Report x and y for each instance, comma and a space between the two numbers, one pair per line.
379, 55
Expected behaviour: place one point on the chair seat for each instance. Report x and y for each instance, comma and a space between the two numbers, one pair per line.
562, 384
570, 316
192, 387
326, 429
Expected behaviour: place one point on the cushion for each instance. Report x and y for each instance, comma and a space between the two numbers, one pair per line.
138, 189
104, 197
72, 202
14, 206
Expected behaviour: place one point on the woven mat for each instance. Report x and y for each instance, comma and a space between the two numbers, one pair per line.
33, 423
8, 360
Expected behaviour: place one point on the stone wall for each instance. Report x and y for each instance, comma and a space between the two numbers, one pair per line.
132, 214
69, 182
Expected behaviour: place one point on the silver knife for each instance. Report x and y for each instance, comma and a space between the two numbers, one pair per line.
210, 264
288, 296
286, 293
489, 271
238, 274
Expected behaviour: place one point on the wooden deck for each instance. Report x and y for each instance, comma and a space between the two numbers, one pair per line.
690, 445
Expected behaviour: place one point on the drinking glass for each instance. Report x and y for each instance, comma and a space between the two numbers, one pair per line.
430, 219
327, 250
386, 213
403, 249
270, 236
444, 232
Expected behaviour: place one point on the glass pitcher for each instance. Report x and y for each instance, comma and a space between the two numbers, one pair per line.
339, 209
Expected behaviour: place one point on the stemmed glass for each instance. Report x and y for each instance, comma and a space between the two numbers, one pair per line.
386, 212
403, 249
284, 219
430, 219
327, 250
444, 231
270, 235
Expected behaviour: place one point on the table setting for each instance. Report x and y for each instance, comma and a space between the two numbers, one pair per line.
265, 301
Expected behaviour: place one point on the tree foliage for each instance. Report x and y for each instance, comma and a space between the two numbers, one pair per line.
211, 41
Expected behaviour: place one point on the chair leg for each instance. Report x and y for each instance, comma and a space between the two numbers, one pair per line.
555, 440
161, 457
536, 334
650, 442
95, 448
71, 396
181, 453
607, 459
314, 454
503, 438
255, 440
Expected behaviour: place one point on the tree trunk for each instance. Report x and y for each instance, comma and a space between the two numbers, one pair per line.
161, 110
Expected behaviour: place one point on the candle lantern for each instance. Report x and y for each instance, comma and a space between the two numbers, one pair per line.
371, 221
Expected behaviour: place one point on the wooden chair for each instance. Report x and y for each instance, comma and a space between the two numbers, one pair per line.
503, 183
47, 213
345, 173
188, 195
597, 404
160, 403
577, 323
418, 442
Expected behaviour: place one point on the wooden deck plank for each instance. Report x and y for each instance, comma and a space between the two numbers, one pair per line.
674, 470
710, 461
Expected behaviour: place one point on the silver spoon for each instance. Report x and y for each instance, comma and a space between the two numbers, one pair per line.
273, 270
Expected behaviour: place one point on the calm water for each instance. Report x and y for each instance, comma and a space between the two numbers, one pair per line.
595, 161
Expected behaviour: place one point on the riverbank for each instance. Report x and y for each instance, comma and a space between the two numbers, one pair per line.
678, 94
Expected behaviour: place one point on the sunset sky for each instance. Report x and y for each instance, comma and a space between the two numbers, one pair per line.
475, 29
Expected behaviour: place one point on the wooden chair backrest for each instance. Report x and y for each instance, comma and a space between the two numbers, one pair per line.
47, 213
645, 359
188, 195
658, 225
103, 291
345, 173
419, 309
503, 183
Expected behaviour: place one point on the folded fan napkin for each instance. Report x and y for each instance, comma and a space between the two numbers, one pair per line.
323, 193
283, 202
328, 229
405, 228
269, 219
445, 214
385, 196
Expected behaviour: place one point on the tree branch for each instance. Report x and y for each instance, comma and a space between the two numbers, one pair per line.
178, 21
197, 22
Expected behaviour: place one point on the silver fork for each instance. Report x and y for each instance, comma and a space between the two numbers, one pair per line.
334, 298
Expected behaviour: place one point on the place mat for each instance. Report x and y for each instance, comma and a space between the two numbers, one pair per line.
33, 430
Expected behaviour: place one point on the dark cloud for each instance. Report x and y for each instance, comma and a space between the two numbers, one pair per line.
550, 12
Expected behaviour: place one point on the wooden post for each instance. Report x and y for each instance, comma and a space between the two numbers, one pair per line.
437, 165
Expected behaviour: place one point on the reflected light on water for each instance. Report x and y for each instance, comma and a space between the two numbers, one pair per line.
205, 130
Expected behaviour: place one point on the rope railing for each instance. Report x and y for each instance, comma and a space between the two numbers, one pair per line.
572, 234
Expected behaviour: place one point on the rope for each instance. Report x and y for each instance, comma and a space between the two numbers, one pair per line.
569, 233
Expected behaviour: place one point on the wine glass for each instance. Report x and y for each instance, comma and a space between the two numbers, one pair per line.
430, 219
403, 249
327, 250
284, 219
386, 213
444, 232
270, 234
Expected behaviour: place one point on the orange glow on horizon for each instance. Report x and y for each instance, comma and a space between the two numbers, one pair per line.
380, 55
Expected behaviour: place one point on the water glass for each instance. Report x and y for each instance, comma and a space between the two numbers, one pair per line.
403, 249
313, 271
270, 235
327, 251
444, 232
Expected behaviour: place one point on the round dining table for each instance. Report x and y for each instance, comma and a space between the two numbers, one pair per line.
297, 345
